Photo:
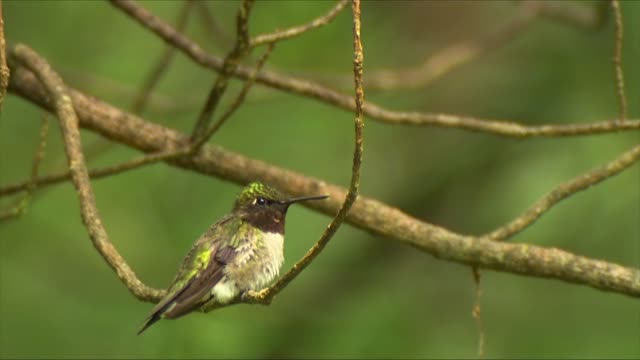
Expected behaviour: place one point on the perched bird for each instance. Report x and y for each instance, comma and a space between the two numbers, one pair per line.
242, 251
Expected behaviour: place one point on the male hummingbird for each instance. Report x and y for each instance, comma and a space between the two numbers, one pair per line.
242, 251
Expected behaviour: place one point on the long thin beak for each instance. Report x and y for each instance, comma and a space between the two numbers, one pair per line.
303, 198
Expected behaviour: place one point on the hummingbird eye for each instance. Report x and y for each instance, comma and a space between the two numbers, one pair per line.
261, 201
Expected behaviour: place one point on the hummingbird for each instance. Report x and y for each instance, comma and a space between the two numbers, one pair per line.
242, 251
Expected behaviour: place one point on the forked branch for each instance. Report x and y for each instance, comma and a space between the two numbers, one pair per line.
30, 185
162, 64
456, 55
304, 87
299, 30
366, 213
565, 190
62, 105
265, 296
148, 159
202, 130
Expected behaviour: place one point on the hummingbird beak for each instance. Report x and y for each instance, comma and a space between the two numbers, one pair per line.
303, 198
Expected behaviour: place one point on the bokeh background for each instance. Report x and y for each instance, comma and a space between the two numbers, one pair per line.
365, 296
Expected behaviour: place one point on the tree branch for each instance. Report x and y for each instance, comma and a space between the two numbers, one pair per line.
231, 62
30, 185
617, 59
588, 17
266, 296
368, 214
476, 312
132, 164
62, 104
565, 190
299, 30
452, 57
239, 99
4, 69
162, 64
147, 159
211, 25
329, 96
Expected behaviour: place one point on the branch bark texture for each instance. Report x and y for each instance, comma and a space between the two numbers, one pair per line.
307, 88
4, 69
62, 105
354, 187
366, 213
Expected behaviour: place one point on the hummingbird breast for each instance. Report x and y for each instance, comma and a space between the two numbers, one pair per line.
259, 258
261, 264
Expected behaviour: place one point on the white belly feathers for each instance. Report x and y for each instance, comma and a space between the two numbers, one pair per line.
254, 267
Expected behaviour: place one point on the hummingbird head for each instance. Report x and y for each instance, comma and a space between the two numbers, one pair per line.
265, 207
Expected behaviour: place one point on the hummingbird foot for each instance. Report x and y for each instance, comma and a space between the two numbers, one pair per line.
256, 297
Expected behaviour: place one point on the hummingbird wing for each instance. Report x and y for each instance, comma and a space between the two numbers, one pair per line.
200, 271
197, 291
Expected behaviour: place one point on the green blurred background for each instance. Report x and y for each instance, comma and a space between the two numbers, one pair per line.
365, 296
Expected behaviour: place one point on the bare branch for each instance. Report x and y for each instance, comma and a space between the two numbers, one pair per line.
231, 62
299, 30
62, 104
4, 69
502, 127
477, 311
238, 101
452, 57
149, 158
373, 111
565, 190
368, 214
216, 32
617, 59
587, 17
98, 173
152, 79
21, 206
266, 295
161, 65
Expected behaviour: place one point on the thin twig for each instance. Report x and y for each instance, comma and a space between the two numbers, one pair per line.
368, 214
158, 103
132, 164
162, 64
231, 62
21, 206
141, 99
477, 310
299, 30
238, 101
149, 158
4, 69
215, 31
573, 14
313, 90
41, 181
565, 190
62, 103
617, 59
266, 295
453, 56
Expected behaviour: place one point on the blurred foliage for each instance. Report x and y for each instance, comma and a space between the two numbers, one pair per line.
365, 296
